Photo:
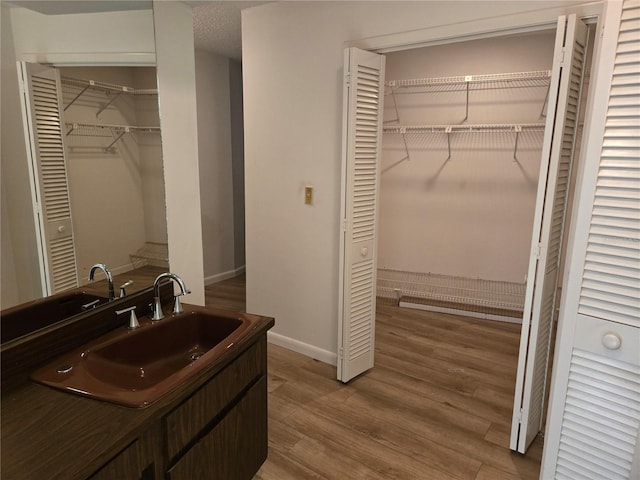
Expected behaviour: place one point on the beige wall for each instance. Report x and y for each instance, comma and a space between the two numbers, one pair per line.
237, 152
178, 107
471, 216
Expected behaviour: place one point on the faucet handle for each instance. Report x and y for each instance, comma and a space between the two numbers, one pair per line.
133, 319
89, 305
123, 292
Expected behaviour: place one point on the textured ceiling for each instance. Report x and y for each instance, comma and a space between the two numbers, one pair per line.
216, 26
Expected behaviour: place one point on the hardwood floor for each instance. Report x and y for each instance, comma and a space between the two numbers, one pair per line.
437, 405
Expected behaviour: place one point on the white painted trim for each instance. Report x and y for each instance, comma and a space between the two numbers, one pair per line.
464, 313
489, 27
219, 277
126, 59
303, 348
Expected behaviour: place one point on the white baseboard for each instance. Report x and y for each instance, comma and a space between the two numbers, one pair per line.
303, 348
219, 277
464, 313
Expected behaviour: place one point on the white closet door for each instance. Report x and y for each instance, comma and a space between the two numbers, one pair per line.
362, 127
593, 430
42, 112
555, 171
611, 279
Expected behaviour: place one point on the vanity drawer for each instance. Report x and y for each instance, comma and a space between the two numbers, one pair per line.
196, 413
235, 448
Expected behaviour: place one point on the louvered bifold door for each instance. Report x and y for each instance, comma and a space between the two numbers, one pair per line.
611, 280
362, 126
598, 437
553, 184
45, 137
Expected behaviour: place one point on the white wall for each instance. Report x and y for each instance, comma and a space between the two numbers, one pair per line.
215, 163
86, 39
292, 71
473, 215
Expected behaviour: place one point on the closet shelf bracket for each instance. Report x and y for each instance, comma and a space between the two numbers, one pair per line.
113, 99
468, 79
122, 132
448, 132
78, 95
517, 129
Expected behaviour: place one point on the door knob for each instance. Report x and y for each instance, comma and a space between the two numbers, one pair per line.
611, 341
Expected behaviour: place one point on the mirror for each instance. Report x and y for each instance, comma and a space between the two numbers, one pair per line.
84, 40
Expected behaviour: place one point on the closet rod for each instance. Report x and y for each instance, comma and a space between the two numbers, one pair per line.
466, 79
481, 128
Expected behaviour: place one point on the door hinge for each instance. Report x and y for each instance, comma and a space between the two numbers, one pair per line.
520, 414
537, 251
344, 225
562, 56
347, 79
340, 353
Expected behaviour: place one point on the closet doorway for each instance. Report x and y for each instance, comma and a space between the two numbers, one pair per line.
465, 127
461, 148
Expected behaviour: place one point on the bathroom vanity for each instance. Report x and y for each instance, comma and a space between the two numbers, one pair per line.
211, 425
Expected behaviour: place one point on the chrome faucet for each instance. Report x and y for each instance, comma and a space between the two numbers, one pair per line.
157, 305
107, 273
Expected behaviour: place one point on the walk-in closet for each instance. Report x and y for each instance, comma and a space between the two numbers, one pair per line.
461, 145
468, 129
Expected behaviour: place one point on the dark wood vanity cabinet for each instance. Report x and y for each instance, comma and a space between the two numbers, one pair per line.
212, 426
235, 447
218, 433
221, 431
132, 463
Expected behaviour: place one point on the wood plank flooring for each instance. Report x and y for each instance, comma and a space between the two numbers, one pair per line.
437, 404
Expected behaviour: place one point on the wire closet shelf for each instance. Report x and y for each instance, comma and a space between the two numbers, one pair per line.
111, 89
109, 131
538, 78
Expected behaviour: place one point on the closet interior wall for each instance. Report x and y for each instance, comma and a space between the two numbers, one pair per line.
115, 177
456, 210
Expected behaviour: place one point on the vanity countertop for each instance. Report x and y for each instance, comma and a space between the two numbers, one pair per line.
51, 434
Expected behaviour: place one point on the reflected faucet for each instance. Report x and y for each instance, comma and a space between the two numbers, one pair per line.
157, 305
107, 273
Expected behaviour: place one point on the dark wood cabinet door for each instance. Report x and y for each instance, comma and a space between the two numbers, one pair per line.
235, 448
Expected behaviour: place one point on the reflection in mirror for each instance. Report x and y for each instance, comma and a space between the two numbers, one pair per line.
114, 167
116, 190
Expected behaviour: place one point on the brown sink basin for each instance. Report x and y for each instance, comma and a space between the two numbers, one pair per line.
136, 367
